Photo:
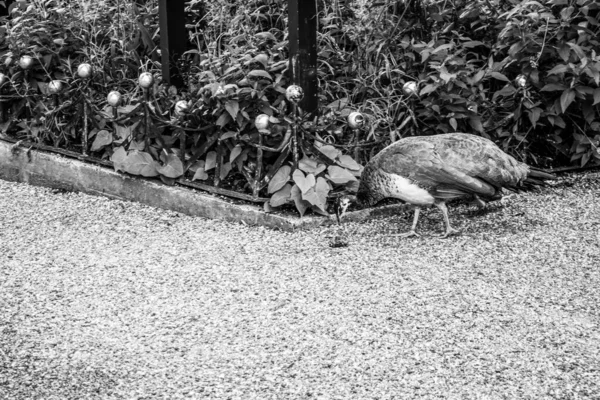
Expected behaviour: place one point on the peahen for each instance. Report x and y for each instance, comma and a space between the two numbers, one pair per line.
431, 170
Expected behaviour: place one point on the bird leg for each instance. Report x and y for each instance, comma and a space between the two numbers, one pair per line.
478, 202
449, 230
413, 229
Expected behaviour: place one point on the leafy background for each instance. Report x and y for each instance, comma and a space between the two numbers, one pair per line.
524, 73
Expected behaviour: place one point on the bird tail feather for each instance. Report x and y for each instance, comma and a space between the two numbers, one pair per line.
540, 174
537, 177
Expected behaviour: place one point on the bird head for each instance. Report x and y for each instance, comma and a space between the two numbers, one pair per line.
341, 206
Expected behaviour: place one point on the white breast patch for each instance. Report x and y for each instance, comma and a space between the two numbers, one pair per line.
402, 188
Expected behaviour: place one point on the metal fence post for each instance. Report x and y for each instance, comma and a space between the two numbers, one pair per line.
303, 50
173, 38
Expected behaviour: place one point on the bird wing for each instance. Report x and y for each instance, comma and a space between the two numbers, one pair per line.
480, 157
419, 161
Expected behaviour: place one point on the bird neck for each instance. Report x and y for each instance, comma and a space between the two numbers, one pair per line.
368, 198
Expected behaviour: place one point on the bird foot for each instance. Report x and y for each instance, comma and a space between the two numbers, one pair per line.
407, 234
449, 232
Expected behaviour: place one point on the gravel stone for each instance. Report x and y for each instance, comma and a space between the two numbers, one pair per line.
103, 299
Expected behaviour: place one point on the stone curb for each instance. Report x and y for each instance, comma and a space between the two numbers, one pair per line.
36, 167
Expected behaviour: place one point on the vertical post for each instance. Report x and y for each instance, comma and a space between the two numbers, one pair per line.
173, 38
303, 50
5, 10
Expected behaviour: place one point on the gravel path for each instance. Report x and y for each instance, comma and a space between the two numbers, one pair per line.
103, 299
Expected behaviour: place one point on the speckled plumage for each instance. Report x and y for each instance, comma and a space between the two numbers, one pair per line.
430, 170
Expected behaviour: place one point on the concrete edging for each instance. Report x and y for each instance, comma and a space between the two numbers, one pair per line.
41, 168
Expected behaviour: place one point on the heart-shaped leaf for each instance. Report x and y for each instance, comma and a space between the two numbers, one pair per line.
282, 196
103, 138
267, 207
140, 163
118, 159
123, 132
317, 195
347, 161
311, 166
211, 160
200, 174
339, 175
330, 151
303, 182
281, 177
173, 168
135, 145
301, 205
197, 165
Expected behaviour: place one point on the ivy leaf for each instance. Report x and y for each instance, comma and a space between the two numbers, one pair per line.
173, 168
282, 196
339, 175
118, 159
140, 163
103, 138
566, 98
281, 177
301, 205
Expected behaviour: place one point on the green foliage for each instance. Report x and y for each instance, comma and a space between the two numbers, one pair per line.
468, 58
525, 74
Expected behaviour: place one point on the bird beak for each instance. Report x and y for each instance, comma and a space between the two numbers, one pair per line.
344, 208
341, 210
